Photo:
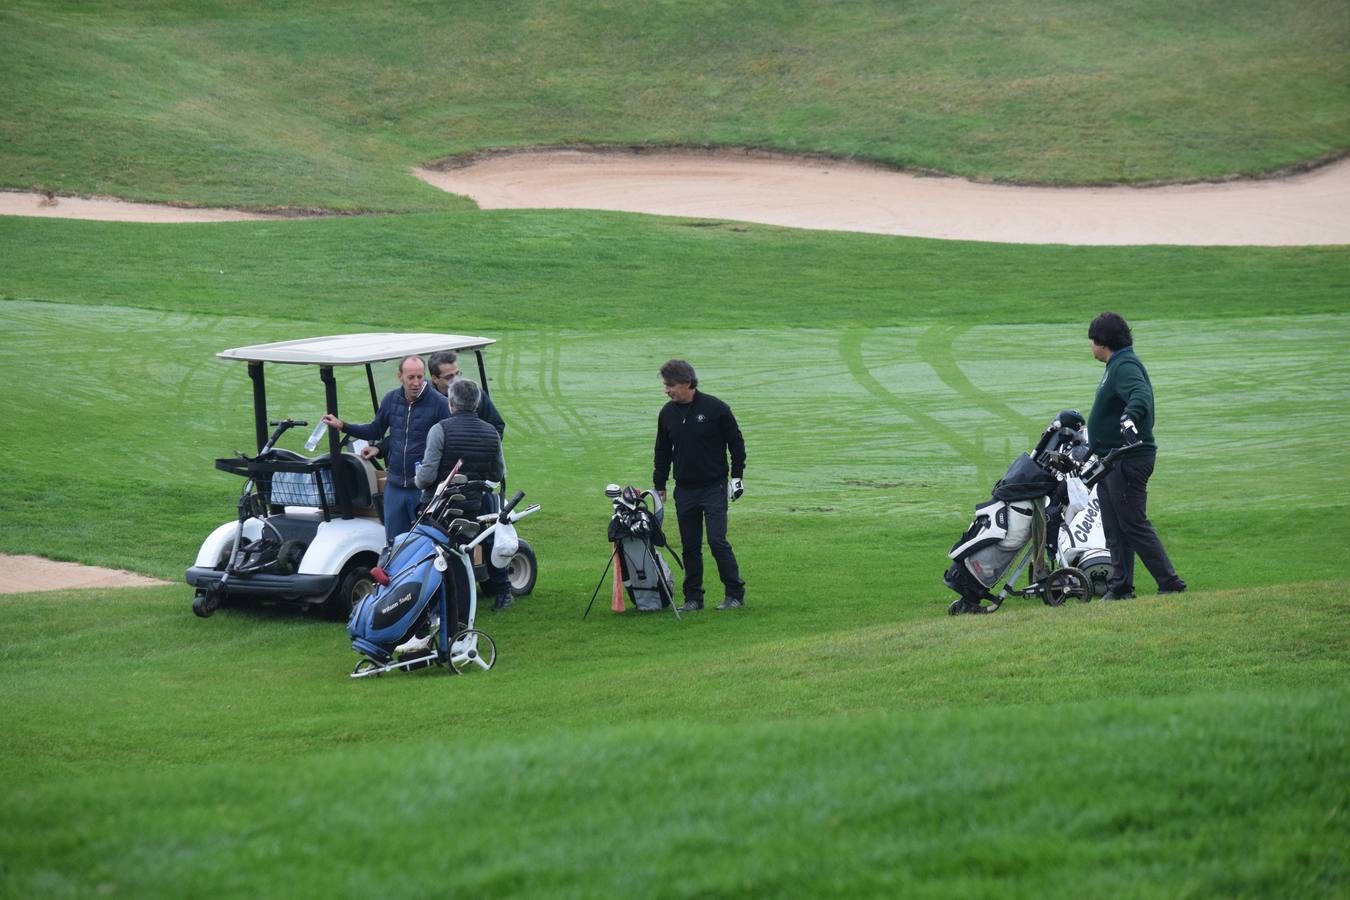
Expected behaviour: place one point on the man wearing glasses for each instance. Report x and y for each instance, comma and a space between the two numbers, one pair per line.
444, 369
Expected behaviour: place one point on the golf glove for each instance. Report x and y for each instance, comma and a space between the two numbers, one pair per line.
734, 489
1129, 431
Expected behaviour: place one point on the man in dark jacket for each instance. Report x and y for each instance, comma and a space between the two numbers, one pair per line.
1122, 417
407, 414
696, 432
465, 438
443, 369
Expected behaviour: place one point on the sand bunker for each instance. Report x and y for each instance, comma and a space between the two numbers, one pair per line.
22, 574
1308, 208
107, 209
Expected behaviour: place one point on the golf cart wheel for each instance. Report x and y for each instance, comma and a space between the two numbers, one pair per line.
206, 601
966, 607
523, 570
472, 651
355, 585
1062, 584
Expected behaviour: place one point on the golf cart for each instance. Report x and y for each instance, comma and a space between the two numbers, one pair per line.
309, 528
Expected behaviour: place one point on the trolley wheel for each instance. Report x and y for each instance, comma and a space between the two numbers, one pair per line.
472, 650
523, 570
206, 601
965, 607
1062, 584
365, 667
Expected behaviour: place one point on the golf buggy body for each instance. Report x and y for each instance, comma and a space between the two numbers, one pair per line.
309, 528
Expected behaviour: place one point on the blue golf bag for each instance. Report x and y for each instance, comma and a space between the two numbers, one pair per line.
425, 593
422, 612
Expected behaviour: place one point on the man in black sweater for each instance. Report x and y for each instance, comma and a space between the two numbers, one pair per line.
697, 432
1122, 420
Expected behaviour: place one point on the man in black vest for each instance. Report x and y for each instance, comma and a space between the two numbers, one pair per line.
464, 436
697, 432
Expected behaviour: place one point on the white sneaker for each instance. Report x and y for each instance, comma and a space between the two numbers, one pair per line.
413, 644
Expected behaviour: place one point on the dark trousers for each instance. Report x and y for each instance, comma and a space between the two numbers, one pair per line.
693, 507
1123, 494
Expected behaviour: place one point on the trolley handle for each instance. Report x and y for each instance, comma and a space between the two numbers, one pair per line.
505, 514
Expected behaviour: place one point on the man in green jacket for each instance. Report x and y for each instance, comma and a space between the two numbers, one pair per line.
1122, 417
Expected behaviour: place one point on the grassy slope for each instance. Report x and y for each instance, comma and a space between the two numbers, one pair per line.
1176, 748
329, 105
840, 737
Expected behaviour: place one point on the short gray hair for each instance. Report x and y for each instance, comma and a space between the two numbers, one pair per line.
464, 394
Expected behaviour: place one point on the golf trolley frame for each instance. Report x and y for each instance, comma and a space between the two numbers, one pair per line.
1053, 587
453, 540
1061, 451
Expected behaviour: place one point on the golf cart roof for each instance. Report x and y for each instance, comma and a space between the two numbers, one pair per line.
355, 349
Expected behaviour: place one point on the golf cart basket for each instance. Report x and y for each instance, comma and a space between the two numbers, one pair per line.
1009, 532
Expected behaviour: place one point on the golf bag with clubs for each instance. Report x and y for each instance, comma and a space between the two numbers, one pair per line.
424, 610
636, 534
1020, 525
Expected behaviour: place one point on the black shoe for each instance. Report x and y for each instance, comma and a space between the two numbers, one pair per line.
1175, 586
506, 601
1123, 595
732, 603
691, 606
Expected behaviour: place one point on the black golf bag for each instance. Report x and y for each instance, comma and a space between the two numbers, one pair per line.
1012, 530
635, 530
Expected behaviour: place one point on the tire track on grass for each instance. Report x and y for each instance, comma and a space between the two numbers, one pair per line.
936, 347
850, 351
519, 412
550, 389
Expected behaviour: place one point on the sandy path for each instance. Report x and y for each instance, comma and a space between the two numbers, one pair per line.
22, 574
1309, 208
107, 209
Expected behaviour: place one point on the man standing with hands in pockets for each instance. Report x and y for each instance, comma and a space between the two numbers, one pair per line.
696, 433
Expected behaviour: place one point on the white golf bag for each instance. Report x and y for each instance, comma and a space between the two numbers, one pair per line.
1081, 541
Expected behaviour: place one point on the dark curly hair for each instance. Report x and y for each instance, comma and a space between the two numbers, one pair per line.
1111, 331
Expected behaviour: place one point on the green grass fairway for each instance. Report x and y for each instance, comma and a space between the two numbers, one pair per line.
330, 104
841, 736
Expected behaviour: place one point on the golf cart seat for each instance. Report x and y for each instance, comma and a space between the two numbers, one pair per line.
365, 485
301, 488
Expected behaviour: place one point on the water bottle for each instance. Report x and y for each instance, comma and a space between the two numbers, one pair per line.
314, 437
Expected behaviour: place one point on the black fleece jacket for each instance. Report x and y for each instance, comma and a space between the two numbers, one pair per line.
697, 437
